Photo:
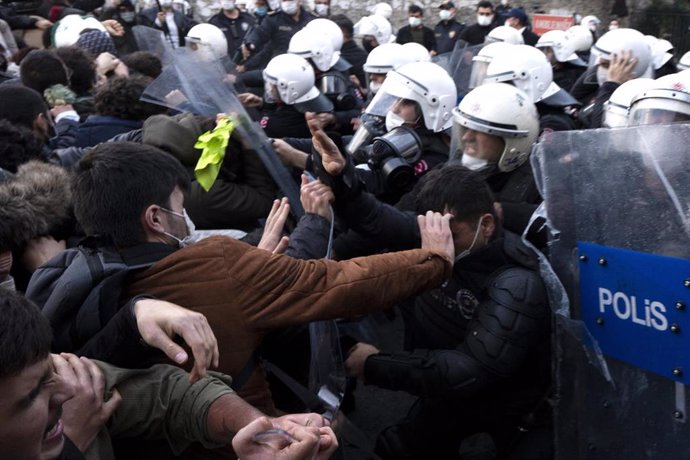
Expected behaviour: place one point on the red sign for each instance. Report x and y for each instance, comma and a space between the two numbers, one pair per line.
544, 22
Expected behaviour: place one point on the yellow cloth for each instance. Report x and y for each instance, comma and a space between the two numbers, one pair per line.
213, 144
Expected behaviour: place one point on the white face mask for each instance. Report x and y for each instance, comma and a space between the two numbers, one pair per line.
613, 27
414, 22
127, 16
468, 251
393, 120
602, 75
166, 3
444, 15
473, 163
187, 240
504, 2
228, 5
374, 86
289, 7
484, 20
321, 9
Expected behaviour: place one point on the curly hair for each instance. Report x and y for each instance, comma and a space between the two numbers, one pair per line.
119, 97
82, 66
18, 146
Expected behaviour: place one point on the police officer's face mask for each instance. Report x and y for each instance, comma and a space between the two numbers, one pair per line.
321, 9
393, 120
289, 7
190, 227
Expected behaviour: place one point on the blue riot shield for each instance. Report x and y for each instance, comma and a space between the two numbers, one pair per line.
617, 203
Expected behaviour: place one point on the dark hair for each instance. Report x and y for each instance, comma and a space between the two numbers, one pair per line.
82, 66
455, 189
25, 334
345, 25
413, 9
119, 97
18, 146
41, 69
116, 181
3, 59
144, 62
485, 4
21, 105
19, 56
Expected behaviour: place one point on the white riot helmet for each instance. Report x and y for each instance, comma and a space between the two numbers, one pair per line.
667, 101
505, 34
684, 62
660, 51
293, 79
580, 37
617, 108
68, 30
208, 35
620, 40
591, 22
563, 49
376, 26
383, 10
329, 29
384, 58
414, 52
481, 61
305, 45
425, 83
525, 67
499, 110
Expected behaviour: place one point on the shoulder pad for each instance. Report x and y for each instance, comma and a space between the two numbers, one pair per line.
518, 251
519, 289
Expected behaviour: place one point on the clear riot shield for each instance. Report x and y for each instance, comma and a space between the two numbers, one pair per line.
617, 202
194, 83
459, 66
154, 41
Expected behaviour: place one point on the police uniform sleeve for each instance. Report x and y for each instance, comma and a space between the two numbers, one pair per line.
261, 35
603, 94
509, 326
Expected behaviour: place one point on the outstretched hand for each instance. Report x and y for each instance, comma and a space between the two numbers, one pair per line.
333, 161
273, 239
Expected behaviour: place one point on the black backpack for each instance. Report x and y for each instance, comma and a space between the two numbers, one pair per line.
79, 291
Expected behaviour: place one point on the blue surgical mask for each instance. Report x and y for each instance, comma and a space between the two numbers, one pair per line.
261, 11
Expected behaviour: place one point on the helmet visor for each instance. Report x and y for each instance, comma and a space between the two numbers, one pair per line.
644, 116
478, 73
395, 87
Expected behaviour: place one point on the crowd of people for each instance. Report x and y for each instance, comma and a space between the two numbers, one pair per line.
163, 263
